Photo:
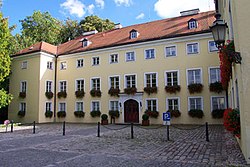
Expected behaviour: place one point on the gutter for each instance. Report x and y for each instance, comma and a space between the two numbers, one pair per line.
55, 85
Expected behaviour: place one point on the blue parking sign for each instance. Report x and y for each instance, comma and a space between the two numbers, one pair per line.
166, 116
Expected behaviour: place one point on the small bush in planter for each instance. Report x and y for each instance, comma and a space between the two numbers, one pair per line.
79, 93
22, 94
49, 95
153, 114
196, 113
95, 113
62, 94
130, 91
21, 113
61, 114
48, 114
96, 93
216, 87
114, 113
174, 113
145, 120
79, 114
218, 113
172, 89
114, 91
195, 88
104, 119
150, 90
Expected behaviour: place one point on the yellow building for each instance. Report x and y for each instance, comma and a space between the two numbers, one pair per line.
157, 66
236, 15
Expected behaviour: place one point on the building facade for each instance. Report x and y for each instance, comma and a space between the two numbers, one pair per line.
156, 66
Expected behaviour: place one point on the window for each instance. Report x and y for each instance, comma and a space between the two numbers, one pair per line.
79, 106
130, 81
194, 76
130, 56
95, 61
49, 65
171, 78
48, 106
48, 86
85, 42
195, 103
134, 34
22, 107
149, 54
192, 24
63, 65
96, 83
218, 103
192, 48
212, 46
63, 86
170, 51
79, 84
79, 63
151, 104
173, 104
114, 105
95, 106
62, 107
24, 65
151, 80
114, 82
114, 58
214, 75
23, 87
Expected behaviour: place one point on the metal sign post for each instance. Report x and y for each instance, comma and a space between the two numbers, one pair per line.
166, 121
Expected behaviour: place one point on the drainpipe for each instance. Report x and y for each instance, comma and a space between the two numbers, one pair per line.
55, 78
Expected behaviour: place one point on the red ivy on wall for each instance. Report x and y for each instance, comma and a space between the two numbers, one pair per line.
232, 121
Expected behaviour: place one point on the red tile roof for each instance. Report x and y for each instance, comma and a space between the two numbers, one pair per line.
160, 29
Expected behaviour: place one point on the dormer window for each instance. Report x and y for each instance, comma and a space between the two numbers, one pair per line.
192, 24
134, 34
85, 42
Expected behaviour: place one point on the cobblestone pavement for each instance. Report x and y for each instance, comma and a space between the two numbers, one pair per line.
81, 147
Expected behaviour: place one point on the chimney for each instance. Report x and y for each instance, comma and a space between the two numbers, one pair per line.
190, 12
90, 32
118, 26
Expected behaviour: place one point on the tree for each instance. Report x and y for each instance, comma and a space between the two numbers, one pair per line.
93, 22
41, 27
5, 37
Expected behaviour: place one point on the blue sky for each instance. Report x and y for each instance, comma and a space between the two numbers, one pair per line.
126, 12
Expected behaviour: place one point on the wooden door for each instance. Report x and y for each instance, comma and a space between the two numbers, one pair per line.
131, 111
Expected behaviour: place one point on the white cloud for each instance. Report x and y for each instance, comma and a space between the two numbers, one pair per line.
170, 8
100, 3
74, 7
90, 9
123, 2
140, 16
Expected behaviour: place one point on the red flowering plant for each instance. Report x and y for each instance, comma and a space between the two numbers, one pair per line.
232, 121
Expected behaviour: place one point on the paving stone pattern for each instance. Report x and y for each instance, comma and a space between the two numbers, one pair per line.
81, 147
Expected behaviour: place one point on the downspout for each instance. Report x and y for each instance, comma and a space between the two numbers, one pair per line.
55, 78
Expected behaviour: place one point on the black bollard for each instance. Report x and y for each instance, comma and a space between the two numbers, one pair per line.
11, 126
132, 130
98, 129
207, 134
63, 128
34, 127
168, 132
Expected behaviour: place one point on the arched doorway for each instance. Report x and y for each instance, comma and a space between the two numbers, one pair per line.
131, 111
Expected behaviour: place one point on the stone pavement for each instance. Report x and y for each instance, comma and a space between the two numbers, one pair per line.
80, 146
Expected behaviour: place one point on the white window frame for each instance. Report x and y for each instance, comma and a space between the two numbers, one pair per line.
109, 80
48, 102
218, 78
110, 58
91, 82
59, 106
193, 53
196, 97
81, 63
192, 24
211, 101
171, 71
211, 50
201, 75
60, 81
130, 60
95, 101
125, 80
145, 79
173, 98
150, 54
146, 103
21, 104
50, 65
110, 107
21, 86
95, 61
24, 64
76, 106
76, 86
171, 55
134, 34
63, 65
46, 88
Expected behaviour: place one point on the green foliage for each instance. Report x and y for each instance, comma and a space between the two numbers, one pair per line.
145, 117
79, 114
69, 30
48, 114
114, 113
61, 114
196, 113
95, 113
104, 116
21, 113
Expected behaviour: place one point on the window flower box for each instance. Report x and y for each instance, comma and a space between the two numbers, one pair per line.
22, 94
130, 91
150, 90
95, 113
172, 89
95, 93
114, 91
79, 114
48, 114
153, 114
174, 113
49, 95
218, 113
196, 113
216, 87
61, 114
62, 94
114, 113
21, 113
195, 88
79, 93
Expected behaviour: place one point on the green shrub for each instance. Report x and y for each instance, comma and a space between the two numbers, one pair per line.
104, 116
95, 113
61, 114
145, 117
196, 113
79, 114
114, 113
48, 114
